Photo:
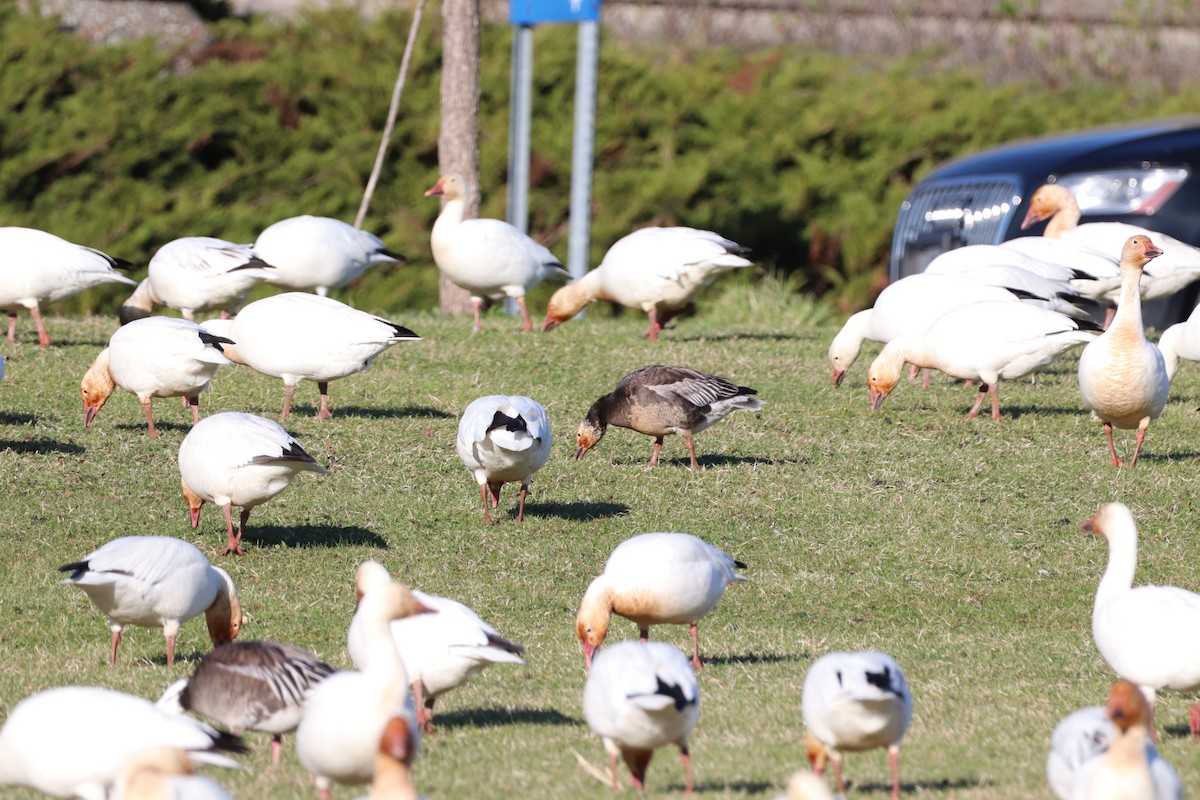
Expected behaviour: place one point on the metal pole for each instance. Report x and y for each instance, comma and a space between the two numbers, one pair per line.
586, 62
520, 115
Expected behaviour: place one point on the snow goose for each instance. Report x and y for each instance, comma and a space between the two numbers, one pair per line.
659, 400
157, 582
38, 267
639, 697
164, 773
853, 702
298, 336
1122, 377
197, 273
319, 253
1180, 342
250, 686
488, 257
1146, 634
983, 342
502, 439
441, 649
345, 715
237, 459
1084, 735
1059, 294
657, 270
153, 357
71, 741
656, 579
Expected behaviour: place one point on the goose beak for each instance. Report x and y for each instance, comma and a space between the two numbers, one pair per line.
877, 398
580, 452
839, 375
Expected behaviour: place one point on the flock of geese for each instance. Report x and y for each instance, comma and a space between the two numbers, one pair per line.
978, 314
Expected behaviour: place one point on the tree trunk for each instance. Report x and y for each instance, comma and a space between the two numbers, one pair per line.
458, 142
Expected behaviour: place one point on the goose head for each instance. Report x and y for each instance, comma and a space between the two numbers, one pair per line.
1048, 200
452, 187
96, 387
885, 372
1126, 705
1138, 251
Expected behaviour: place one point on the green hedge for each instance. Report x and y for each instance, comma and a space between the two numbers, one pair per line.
802, 156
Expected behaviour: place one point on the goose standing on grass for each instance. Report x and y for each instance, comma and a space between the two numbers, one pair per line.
488, 257
250, 686
237, 459
660, 400
983, 342
197, 273
1086, 734
1122, 377
298, 336
319, 253
71, 741
441, 649
854, 702
164, 773
1145, 633
657, 270
154, 357
656, 579
157, 582
503, 439
639, 697
38, 267
1180, 342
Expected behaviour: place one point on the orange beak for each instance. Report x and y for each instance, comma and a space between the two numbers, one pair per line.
839, 375
435, 189
877, 398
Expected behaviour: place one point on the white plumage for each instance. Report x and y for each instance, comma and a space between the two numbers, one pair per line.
1084, 735
854, 702
1180, 342
157, 582
319, 253
503, 439
639, 697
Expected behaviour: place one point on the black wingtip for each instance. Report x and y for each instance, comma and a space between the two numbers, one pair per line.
403, 332
122, 264
215, 341
229, 743
254, 263
76, 569
1089, 325
740, 564
1024, 295
393, 254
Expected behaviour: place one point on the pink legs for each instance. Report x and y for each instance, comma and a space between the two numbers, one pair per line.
494, 493
36, 313
322, 413
687, 440
234, 542
1115, 460
150, 421
988, 389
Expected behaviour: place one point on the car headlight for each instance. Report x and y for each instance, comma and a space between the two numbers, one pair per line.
1125, 191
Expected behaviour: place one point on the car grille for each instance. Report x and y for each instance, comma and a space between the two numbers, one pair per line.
940, 215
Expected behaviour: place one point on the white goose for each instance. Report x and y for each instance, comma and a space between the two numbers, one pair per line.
1122, 376
157, 582
38, 267
1090, 274
1180, 342
657, 270
1146, 634
1060, 295
319, 253
153, 357
197, 273
250, 686
854, 702
346, 713
639, 697
298, 336
981, 341
488, 257
71, 741
503, 439
1084, 735
236, 459
441, 650
656, 579
164, 773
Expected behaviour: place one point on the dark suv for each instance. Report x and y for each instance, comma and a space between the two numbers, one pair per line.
1133, 173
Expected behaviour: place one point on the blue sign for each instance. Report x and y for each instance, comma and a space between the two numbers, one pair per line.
533, 12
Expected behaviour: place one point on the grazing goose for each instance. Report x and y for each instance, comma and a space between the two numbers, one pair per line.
1059, 294
1147, 633
157, 582
854, 702
38, 267
659, 400
1049, 258
71, 741
164, 773
236, 459
1180, 342
441, 649
488, 257
1122, 377
346, 713
656, 579
503, 439
983, 342
197, 273
639, 697
250, 686
298, 336
1086, 734
153, 357
393, 764
319, 253
657, 270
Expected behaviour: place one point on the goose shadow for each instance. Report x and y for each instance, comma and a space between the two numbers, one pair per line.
495, 717
7, 418
942, 785
722, 460
159, 425
1189, 455
755, 658
313, 536
1016, 412
735, 337
581, 511
1177, 731
363, 412
736, 787
41, 447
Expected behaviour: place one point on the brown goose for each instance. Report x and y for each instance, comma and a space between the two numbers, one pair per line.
257, 686
660, 399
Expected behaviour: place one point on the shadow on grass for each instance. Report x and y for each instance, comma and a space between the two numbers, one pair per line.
737, 787
755, 658
492, 717
943, 785
759, 337
362, 412
1187, 455
1016, 412
1177, 731
159, 425
582, 511
313, 536
42, 447
17, 419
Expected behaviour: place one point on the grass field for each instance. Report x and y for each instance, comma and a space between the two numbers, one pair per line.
952, 544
